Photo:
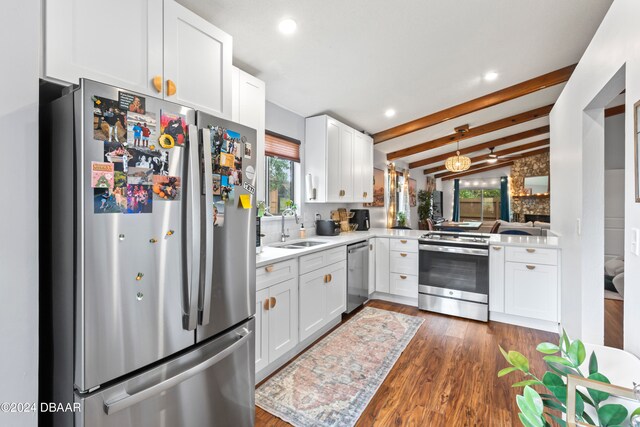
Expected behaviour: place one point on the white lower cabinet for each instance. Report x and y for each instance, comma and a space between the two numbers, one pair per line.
323, 294
531, 290
496, 279
372, 266
404, 285
262, 329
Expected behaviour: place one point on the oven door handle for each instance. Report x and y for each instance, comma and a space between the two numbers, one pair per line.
454, 250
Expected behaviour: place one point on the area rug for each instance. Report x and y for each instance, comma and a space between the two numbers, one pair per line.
332, 383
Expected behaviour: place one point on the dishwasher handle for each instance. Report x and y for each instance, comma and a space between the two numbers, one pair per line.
357, 246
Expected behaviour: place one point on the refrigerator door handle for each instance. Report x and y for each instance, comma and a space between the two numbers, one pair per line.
126, 400
204, 303
192, 231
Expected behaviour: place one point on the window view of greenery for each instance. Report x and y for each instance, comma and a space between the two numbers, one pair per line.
279, 184
479, 205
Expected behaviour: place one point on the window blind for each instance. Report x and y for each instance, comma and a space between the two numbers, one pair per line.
282, 147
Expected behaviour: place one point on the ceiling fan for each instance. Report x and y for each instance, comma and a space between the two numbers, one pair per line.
493, 157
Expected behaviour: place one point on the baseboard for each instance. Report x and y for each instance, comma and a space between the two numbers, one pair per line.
413, 302
527, 322
299, 348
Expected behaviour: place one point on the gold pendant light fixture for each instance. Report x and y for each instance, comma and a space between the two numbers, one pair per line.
458, 163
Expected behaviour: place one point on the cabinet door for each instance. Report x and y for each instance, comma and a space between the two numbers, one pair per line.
262, 329
382, 264
357, 167
367, 169
312, 303
531, 290
336, 290
334, 173
346, 163
496, 279
197, 58
372, 266
118, 42
283, 318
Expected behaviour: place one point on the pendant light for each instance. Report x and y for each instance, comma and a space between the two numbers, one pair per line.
457, 163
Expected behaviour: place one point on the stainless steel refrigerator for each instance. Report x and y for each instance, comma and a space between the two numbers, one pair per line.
150, 303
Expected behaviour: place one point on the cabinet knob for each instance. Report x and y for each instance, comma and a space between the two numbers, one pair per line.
330, 277
171, 87
403, 255
157, 83
272, 302
531, 267
364, 194
326, 278
531, 250
403, 241
268, 268
266, 304
403, 277
497, 248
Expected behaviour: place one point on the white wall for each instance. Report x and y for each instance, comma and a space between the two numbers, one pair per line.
20, 23
574, 145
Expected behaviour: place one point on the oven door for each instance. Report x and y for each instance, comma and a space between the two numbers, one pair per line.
454, 272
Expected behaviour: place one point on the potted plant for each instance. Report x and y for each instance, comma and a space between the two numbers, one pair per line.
261, 208
424, 208
562, 359
402, 219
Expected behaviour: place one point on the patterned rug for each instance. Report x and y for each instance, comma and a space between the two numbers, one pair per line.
332, 383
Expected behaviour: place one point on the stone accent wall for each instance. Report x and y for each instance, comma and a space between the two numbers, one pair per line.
529, 166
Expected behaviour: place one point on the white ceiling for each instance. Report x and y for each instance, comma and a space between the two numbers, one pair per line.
354, 59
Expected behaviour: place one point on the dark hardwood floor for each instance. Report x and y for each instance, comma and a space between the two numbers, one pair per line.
613, 323
447, 375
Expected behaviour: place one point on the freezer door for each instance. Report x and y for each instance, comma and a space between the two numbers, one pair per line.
233, 291
212, 385
138, 239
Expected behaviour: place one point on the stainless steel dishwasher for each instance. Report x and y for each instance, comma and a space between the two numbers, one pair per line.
357, 275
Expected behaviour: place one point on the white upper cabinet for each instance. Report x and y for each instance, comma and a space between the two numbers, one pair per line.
155, 47
118, 42
338, 157
197, 60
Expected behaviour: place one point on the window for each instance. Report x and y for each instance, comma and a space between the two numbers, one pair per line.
281, 154
479, 204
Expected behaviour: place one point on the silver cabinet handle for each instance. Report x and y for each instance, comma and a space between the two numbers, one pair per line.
531, 250
132, 399
204, 303
531, 267
191, 235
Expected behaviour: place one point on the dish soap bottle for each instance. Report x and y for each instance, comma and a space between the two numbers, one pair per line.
303, 232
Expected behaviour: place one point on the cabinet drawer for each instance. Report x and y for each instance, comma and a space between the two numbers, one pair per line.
404, 284
531, 255
318, 260
403, 262
404, 245
274, 273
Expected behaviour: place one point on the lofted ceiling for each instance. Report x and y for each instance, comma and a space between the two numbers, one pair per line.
355, 59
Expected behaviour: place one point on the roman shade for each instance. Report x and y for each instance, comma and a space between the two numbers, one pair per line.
282, 147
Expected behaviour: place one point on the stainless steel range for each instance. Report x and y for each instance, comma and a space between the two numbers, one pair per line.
454, 274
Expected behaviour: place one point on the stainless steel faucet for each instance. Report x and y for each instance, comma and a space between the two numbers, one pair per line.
287, 212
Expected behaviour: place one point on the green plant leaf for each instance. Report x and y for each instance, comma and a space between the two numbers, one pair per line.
506, 371
504, 353
558, 359
577, 353
547, 348
558, 420
585, 398
525, 422
552, 404
534, 399
550, 379
562, 369
598, 396
526, 383
593, 363
531, 406
588, 419
612, 414
519, 361
564, 341
634, 413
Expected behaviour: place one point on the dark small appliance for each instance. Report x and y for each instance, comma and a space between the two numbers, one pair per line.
360, 217
327, 227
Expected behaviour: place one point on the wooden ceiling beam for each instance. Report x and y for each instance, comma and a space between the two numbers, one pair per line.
512, 92
614, 111
495, 143
473, 132
485, 168
512, 150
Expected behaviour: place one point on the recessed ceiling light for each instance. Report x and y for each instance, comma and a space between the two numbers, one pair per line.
491, 76
287, 26
390, 112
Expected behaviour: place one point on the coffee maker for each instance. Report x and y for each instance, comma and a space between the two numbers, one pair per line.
360, 217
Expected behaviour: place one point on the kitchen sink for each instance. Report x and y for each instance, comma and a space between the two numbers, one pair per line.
299, 245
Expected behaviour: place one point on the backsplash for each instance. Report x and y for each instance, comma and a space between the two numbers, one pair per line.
529, 166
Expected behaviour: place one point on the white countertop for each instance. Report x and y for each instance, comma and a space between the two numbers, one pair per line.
271, 253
